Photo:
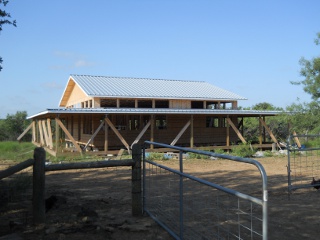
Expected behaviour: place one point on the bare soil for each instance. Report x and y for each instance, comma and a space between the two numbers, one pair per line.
96, 204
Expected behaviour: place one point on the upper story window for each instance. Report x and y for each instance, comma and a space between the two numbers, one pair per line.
145, 103
162, 104
127, 103
197, 104
108, 103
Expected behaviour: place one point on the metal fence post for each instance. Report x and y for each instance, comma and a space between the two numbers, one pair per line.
38, 200
136, 181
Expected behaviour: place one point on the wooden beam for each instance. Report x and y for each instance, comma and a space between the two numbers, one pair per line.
260, 133
86, 165
69, 135
57, 136
228, 134
141, 133
191, 132
296, 139
40, 132
180, 133
25, 131
107, 120
152, 131
45, 133
268, 130
93, 135
236, 130
106, 132
49, 133
16, 168
34, 138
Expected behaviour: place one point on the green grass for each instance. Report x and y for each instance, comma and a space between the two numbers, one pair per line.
16, 151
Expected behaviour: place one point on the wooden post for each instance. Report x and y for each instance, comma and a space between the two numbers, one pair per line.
38, 198
152, 130
106, 134
57, 136
136, 181
191, 132
228, 134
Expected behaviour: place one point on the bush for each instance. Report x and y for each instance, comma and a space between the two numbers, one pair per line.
197, 156
243, 150
156, 156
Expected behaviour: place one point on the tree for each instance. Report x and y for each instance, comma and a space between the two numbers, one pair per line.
13, 126
278, 125
5, 18
311, 72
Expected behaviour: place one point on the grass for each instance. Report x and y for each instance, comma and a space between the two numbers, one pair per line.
16, 151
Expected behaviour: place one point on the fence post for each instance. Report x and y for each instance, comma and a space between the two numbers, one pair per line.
136, 181
38, 199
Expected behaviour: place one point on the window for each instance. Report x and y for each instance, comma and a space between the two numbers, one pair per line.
145, 103
106, 103
145, 120
120, 122
196, 104
162, 104
127, 103
161, 122
87, 124
134, 122
214, 122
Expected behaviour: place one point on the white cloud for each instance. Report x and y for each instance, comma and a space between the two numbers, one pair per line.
70, 60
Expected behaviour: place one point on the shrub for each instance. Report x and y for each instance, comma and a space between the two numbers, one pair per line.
156, 156
243, 150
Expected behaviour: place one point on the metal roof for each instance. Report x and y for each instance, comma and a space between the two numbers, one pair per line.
125, 87
221, 112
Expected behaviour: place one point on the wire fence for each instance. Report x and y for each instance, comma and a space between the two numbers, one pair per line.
303, 161
193, 208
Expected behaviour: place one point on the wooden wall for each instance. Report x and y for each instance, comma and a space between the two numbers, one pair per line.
203, 135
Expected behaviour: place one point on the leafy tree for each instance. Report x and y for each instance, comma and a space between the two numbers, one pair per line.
13, 126
304, 118
5, 18
311, 72
278, 124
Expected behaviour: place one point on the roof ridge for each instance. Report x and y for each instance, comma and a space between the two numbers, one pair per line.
155, 79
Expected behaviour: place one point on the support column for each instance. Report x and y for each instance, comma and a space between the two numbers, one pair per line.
191, 132
106, 133
152, 131
57, 136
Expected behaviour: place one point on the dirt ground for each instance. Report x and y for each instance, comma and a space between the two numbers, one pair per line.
96, 204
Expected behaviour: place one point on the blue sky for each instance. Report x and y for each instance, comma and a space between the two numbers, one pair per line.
251, 48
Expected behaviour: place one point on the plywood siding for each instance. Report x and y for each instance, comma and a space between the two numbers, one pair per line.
180, 104
77, 96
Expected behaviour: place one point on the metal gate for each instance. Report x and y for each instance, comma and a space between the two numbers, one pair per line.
192, 208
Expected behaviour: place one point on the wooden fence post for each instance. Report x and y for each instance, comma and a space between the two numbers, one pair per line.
136, 181
38, 199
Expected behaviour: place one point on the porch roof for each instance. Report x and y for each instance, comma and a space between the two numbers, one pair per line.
156, 111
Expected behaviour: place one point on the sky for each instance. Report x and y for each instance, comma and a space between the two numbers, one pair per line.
251, 48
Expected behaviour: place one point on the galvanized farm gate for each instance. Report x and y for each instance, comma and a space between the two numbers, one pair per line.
303, 161
192, 208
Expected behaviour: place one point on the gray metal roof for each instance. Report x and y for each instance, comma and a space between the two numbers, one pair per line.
124, 87
221, 112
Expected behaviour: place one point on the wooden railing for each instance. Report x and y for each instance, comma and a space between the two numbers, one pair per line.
39, 169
